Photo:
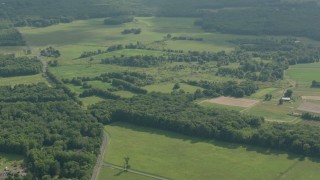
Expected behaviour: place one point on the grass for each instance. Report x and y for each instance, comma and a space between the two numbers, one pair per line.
109, 173
87, 101
100, 84
33, 79
304, 74
181, 157
125, 94
272, 111
18, 50
167, 88
262, 92
7, 160
71, 71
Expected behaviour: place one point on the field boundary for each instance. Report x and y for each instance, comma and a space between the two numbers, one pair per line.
109, 165
99, 163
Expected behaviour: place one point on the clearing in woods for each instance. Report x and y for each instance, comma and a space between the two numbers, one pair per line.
241, 102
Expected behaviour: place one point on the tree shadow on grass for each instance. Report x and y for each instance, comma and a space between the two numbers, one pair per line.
228, 145
119, 173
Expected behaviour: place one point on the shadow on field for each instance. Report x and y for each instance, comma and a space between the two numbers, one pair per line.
174, 135
222, 144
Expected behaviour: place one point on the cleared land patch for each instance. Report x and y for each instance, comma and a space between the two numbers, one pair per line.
311, 98
309, 107
241, 102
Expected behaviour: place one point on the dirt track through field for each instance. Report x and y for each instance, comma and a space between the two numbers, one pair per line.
309, 107
99, 163
241, 102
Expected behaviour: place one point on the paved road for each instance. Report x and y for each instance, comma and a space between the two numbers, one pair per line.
99, 163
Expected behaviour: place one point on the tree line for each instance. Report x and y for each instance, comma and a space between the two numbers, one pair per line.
229, 88
18, 66
176, 113
292, 19
117, 20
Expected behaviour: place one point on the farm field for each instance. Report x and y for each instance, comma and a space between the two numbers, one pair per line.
180, 157
241, 102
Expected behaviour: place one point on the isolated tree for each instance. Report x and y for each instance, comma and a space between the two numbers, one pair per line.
280, 101
176, 86
126, 163
268, 97
288, 93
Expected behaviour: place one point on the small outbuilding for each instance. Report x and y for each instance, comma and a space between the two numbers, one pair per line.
286, 99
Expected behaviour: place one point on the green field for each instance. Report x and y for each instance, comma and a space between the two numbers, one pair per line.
304, 74
109, 173
167, 88
11, 81
181, 157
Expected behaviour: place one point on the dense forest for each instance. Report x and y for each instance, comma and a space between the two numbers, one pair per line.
57, 138
285, 19
176, 113
18, 66
272, 17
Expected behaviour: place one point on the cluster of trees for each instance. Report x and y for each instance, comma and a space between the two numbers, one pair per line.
315, 84
26, 93
176, 113
138, 79
99, 93
229, 88
222, 58
50, 52
131, 31
288, 50
135, 61
183, 38
42, 22
121, 84
18, 66
117, 20
118, 47
11, 37
57, 138
255, 71
310, 117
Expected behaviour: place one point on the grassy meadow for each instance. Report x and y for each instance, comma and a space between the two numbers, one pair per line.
180, 157
109, 173
32, 79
